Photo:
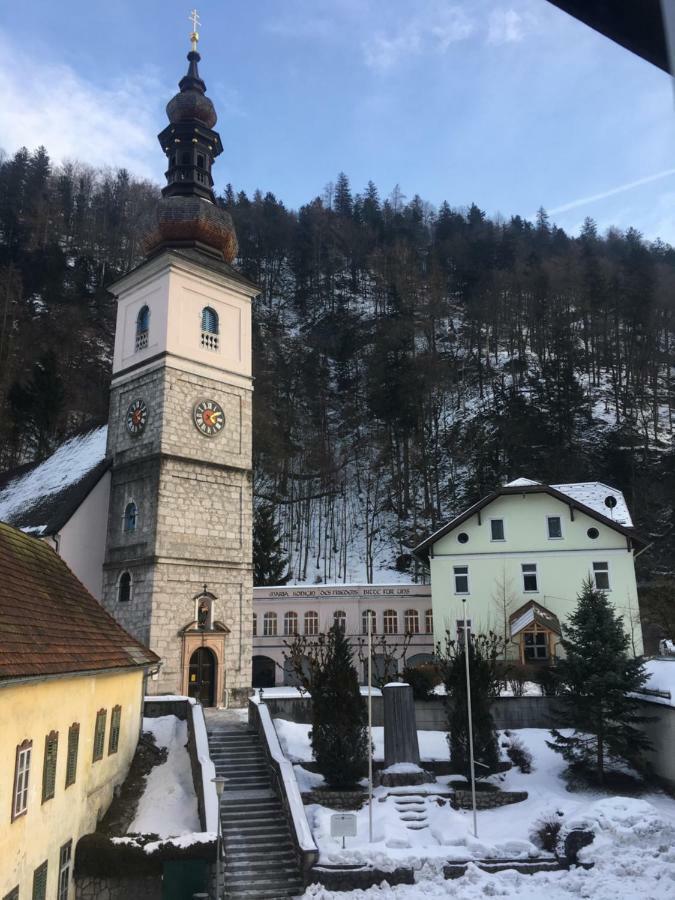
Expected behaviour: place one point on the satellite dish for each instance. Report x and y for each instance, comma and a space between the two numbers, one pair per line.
610, 502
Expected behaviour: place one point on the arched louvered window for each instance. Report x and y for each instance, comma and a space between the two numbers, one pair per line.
365, 616
290, 624
412, 621
130, 517
311, 622
390, 621
340, 619
124, 588
142, 327
209, 328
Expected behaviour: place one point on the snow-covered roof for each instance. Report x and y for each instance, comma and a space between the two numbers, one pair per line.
533, 612
40, 498
593, 494
661, 673
522, 482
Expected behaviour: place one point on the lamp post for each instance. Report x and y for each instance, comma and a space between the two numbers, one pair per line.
370, 726
219, 782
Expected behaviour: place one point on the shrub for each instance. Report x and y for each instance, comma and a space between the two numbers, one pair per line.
325, 668
545, 832
484, 651
519, 755
547, 679
516, 676
422, 679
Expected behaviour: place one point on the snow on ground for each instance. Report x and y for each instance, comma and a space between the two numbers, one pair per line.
633, 850
69, 464
168, 806
286, 693
294, 740
530, 689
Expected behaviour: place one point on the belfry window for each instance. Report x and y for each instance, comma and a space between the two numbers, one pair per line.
142, 327
130, 517
209, 328
124, 588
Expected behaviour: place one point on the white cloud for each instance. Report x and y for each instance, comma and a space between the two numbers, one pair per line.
46, 102
505, 26
434, 31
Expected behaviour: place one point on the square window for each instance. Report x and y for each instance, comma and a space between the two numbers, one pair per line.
530, 577
496, 529
461, 579
554, 527
535, 645
601, 575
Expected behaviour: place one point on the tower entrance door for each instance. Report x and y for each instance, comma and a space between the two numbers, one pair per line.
202, 676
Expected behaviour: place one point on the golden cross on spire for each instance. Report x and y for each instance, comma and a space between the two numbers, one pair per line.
194, 37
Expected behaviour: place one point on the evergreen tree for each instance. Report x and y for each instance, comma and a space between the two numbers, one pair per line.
325, 668
597, 677
270, 566
484, 651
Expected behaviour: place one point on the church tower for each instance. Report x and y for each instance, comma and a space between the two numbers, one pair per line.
178, 572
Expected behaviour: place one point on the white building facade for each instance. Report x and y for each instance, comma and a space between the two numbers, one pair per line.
401, 613
515, 562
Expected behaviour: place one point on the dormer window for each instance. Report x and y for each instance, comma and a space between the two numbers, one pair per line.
209, 328
142, 328
130, 517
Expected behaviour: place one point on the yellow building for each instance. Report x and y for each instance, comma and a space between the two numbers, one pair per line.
515, 563
71, 699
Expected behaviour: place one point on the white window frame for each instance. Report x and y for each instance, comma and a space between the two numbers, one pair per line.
368, 617
411, 616
548, 529
501, 539
389, 617
21, 781
603, 571
268, 619
340, 619
311, 615
428, 620
463, 574
65, 859
459, 633
291, 616
532, 570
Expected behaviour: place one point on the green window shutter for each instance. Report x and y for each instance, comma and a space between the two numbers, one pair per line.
115, 720
49, 767
13, 894
99, 734
40, 882
71, 759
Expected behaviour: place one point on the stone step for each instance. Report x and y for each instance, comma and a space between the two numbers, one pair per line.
276, 893
252, 886
257, 827
237, 841
258, 875
262, 857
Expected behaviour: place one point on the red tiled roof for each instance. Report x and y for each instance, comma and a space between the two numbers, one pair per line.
49, 622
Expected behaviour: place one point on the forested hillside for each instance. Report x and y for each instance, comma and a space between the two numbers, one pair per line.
407, 359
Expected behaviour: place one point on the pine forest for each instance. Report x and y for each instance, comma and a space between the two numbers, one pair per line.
407, 359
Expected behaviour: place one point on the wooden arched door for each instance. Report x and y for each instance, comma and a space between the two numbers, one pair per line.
202, 676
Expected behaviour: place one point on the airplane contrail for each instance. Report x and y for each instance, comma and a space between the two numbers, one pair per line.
582, 201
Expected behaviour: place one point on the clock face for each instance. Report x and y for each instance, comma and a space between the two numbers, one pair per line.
209, 417
137, 416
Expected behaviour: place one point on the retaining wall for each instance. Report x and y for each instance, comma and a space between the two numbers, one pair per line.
431, 715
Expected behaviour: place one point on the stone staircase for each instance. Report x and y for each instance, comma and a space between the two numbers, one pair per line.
412, 811
260, 858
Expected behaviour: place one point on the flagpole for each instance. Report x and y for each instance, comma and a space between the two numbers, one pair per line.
468, 707
370, 727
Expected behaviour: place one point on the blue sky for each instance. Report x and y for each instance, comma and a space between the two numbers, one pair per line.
509, 104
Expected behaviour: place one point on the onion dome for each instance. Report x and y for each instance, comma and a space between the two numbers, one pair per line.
190, 103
